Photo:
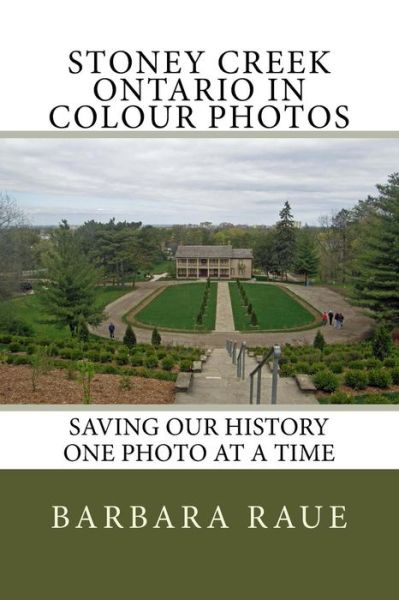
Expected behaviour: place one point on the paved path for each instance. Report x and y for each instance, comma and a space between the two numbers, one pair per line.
356, 326
218, 384
224, 312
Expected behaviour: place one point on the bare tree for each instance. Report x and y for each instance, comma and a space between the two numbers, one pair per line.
11, 223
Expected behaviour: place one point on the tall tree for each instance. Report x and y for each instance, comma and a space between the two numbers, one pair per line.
307, 258
11, 246
377, 279
68, 294
285, 239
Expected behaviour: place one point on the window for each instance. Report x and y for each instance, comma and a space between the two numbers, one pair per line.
182, 272
192, 272
224, 261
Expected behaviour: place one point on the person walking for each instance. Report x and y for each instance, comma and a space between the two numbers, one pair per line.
330, 316
336, 321
324, 318
111, 329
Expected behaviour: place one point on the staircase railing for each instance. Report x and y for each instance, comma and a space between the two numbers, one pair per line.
276, 352
237, 359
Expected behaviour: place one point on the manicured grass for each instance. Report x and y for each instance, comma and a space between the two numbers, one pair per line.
29, 309
275, 309
177, 307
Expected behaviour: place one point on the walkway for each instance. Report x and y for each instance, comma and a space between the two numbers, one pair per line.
218, 384
224, 312
356, 326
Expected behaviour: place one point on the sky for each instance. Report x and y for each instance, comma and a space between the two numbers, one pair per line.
169, 181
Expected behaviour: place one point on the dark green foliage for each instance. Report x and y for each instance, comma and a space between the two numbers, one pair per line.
326, 381
151, 361
340, 398
155, 337
186, 365
254, 319
357, 380
381, 342
395, 375
319, 342
285, 242
380, 378
167, 363
129, 339
69, 292
82, 330
307, 259
377, 279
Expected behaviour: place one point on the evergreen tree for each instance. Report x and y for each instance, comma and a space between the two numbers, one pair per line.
319, 342
285, 241
307, 259
68, 293
381, 343
377, 281
155, 337
129, 339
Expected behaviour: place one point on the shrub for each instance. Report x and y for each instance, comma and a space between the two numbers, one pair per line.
92, 355
15, 347
106, 356
336, 367
109, 369
136, 360
76, 354
22, 360
381, 343
151, 361
380, 378
395, 375
199, 319
125, 383
357, 380
375, 399
129, 339
249, 308
373, 363
287, 370
326, 381
356, 364
122, 358
319, 342
341, 398
254, 319
155, 337
185, 365
390, 362
167, 363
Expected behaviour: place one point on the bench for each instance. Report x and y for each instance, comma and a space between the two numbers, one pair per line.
197, 366
183, 382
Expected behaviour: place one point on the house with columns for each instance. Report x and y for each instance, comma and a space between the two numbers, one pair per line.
215, 262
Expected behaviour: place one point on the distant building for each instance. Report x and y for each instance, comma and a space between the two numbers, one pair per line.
215, 262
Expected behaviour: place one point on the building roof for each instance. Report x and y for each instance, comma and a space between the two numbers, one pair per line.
212, 252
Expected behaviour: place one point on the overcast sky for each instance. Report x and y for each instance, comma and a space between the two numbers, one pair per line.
188, 181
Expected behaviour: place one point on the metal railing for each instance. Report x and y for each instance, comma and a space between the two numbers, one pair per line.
237, 357
276, 352
241, 361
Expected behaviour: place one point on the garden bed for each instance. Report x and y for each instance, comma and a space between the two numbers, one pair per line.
55, 387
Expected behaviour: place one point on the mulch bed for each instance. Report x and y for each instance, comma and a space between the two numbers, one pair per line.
54, 387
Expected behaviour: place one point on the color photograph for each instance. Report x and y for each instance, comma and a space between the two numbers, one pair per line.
199, 272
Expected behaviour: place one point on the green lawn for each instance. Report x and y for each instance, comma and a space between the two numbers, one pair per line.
29, 309
177, 307
161, 267
275, 309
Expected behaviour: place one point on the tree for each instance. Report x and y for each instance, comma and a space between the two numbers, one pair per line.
381, 343
285, 239
68, 294
11, 221
377, 278
265, 253
155, 337
129, 339
319, 342
307, 259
